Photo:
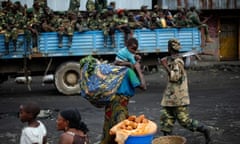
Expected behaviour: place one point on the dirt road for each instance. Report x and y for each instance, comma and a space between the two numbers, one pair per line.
214, 92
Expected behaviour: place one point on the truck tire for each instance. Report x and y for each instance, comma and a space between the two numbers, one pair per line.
66, 78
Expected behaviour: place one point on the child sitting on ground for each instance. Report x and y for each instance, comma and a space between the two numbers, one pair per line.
35, 132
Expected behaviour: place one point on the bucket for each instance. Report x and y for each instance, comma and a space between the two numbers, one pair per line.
143, 139
169, 140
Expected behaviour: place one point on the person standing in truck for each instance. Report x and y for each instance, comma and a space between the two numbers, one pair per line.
175, 99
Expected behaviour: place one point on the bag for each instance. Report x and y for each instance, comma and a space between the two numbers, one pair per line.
99, 81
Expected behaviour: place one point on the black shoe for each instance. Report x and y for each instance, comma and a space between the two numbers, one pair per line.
207, 133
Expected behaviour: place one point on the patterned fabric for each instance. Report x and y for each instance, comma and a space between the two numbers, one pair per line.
176, 92
169, 115
115, 112
99, 81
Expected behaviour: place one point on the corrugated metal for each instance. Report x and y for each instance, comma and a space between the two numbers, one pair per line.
200, 4
91, 42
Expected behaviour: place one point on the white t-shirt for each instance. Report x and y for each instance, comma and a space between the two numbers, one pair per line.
32, 135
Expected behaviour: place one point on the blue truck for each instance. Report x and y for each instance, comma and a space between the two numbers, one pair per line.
63, 63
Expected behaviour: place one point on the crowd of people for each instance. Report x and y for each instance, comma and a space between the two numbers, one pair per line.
111, 87
16, 18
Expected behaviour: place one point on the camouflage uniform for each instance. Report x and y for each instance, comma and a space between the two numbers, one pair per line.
90, 6
66, 28
175, 98
100, 5
195, 22
132, 22
93, 21
180, 20
121, 23
154, 23
74, 5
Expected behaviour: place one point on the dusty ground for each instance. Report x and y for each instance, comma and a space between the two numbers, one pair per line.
214, 91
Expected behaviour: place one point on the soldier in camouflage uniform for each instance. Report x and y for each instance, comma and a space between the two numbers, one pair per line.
154, 23
65, 28
81, 24
93, 21
121, 24
90, 6
100, 5
175, 98
132, 22
34, 27
108, 27
180, 20
74, 5
195, 22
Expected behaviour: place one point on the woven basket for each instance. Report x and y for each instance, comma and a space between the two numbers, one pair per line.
169, 140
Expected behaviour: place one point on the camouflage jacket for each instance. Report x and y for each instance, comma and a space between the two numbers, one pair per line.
176, 92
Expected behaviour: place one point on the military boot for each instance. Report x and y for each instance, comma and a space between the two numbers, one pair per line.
206, 131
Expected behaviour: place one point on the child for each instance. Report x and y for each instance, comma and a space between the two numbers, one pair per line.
127, 57
35, 132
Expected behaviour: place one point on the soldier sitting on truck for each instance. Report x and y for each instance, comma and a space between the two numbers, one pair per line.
195, 21
74, 5
81, 24
93, 20
121, 24
67, 29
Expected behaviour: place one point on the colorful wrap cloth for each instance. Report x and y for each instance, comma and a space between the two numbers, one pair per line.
99, 81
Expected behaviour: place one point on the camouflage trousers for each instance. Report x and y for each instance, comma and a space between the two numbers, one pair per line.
115, 112
169, 115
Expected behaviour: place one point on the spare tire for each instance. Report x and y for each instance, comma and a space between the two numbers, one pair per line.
66, 78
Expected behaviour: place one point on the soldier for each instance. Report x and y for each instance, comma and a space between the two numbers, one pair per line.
65, 29
81, 24
100, 5
93, 21
28, 36
121, 24
90, 6
169, 18
180, 20
143, 22
195, 21
175, 99
74, 5
34, 28
133, 23
154, 23
108, 27
45, 26
7, 38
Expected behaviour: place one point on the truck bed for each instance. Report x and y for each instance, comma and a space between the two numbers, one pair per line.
91, 43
